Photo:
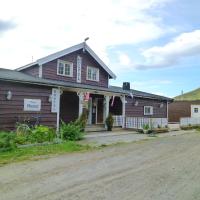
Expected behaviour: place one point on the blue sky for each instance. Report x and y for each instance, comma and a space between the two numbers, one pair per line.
154, 44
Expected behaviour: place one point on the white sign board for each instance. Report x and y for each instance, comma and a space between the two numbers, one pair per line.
32, 104
55, 100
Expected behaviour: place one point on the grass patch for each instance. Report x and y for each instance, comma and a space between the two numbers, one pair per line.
36, 152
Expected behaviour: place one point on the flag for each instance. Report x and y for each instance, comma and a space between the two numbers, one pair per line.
113, 99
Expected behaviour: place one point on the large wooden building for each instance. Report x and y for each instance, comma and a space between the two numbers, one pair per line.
60, 86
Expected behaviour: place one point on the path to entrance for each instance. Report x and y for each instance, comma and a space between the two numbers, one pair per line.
160, 169
106, 138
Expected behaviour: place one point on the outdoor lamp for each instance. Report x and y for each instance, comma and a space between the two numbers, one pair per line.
9, 95
136, 103
50, 98
161, 105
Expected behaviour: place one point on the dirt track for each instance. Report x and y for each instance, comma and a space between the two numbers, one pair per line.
164, 168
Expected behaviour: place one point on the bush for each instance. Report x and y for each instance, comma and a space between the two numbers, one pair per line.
109, 122
71, 131
82, 120
20, 139
7, 141
41, 134
190, 127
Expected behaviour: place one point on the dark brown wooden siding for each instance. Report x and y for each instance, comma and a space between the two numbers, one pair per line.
49, 70
12, 110
179, 109
33, 71
69, 106
116, 108
138, 111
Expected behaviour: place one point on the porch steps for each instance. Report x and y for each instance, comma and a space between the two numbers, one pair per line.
95, 128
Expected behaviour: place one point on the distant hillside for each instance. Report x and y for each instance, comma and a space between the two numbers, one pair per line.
193, 95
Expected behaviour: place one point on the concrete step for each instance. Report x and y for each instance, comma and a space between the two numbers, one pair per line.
95, 128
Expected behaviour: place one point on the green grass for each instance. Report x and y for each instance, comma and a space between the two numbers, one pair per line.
36, 152
189, 96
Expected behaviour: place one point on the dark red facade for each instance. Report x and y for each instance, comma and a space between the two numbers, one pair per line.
138, 111
12, 110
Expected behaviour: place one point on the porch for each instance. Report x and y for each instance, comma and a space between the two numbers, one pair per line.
97, 104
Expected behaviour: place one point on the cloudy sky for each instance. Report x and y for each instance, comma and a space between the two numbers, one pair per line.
154, 44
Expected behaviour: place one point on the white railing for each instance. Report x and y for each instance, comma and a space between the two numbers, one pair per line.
139, 122
118, 120
185, 121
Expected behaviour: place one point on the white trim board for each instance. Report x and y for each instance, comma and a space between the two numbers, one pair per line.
69, 50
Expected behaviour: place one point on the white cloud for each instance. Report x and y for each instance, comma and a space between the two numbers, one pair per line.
124, 59
185, 45
59, 24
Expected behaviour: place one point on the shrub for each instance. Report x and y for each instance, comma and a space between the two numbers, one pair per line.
82, 120
190, 127
71, 131
41, 134
7, 141
109, 122
20, 139
146, 129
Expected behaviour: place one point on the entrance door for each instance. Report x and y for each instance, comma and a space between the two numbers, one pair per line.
97, 111
100, 111
94, 113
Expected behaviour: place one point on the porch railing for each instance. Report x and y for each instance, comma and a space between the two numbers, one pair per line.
139, 122
118, 120
185, 121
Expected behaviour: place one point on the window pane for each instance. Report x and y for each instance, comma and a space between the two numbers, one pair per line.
89, 73
67, 69
61, 68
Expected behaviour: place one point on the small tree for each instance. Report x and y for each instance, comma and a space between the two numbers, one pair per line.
109, 122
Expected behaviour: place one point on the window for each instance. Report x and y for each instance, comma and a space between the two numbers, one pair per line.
92, 74
148, 110
65, 68
196, 110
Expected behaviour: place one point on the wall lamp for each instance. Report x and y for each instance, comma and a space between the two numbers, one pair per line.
9, 95
136, 103
161, 105
50, 98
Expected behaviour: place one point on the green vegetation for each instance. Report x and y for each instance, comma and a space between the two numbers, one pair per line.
109, 122
71, 131
190, 127
35, 152
189, 96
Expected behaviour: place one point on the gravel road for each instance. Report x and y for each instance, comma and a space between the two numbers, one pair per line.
163, 168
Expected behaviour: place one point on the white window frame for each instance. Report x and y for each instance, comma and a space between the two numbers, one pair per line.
151, 110
97, 75
65, 62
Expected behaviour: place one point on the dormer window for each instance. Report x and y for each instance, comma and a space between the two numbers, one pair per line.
65, 68
92, 74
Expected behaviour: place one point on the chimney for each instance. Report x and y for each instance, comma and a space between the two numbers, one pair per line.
126, 86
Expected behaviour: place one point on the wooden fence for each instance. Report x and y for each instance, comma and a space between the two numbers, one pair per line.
139, 122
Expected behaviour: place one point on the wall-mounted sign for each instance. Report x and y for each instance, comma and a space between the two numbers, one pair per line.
32, 104
55, 100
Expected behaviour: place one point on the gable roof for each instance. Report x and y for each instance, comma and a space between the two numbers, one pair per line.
69, 50
15, 76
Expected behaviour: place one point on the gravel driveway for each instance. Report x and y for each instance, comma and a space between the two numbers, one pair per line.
159, 169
